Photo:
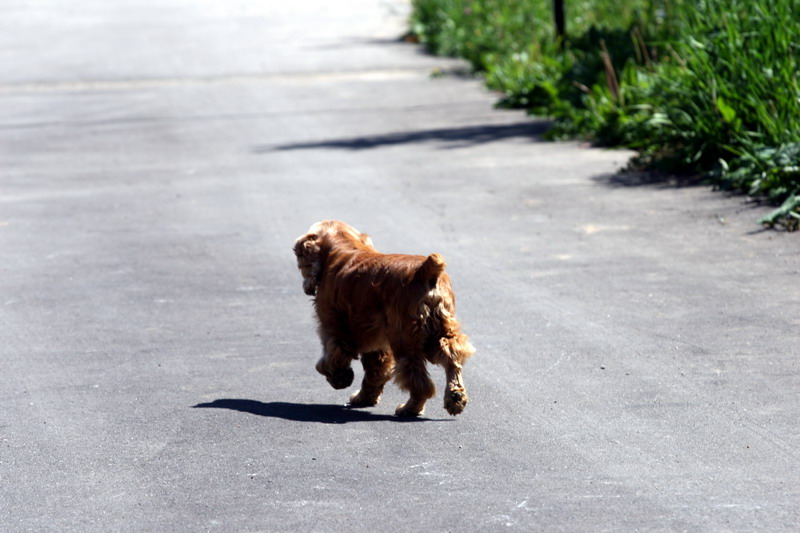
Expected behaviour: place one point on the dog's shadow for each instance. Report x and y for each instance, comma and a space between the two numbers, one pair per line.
302, 412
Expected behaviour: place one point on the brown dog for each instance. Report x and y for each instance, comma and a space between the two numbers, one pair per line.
396, 311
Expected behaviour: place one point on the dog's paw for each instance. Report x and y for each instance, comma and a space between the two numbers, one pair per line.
455, 400
359, 399
342, 378
408, 411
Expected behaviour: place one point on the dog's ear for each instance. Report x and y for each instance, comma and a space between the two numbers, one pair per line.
307, 250
366, 240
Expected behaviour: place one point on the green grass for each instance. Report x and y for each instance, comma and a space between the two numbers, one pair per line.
708, 87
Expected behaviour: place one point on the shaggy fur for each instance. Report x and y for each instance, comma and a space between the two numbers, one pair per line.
397, 312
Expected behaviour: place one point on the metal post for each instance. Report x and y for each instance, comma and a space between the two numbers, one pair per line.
558, 15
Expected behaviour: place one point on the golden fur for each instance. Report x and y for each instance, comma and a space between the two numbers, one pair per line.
396, 312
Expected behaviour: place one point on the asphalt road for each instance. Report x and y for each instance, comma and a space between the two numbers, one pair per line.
637, 365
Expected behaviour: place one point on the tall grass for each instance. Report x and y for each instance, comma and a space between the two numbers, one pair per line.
708, 87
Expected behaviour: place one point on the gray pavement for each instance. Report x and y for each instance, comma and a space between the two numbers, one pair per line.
637, 365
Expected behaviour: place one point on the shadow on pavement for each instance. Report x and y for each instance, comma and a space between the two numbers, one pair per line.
459, 137
301, 412
629, 178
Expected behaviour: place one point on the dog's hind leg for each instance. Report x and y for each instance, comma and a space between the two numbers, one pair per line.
455, 397
412, 376
378, 367
451, 355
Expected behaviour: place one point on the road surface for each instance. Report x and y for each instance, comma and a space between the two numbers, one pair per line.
637, 365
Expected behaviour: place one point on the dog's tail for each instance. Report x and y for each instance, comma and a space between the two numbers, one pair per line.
429, 271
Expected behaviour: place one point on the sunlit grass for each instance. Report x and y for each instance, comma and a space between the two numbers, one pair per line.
707, 87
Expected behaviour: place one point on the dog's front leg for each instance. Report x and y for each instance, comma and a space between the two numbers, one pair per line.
378, 367
335, 364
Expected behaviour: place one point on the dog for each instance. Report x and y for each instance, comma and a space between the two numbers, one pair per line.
395, 312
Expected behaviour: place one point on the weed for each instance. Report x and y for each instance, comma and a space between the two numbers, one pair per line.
707, 87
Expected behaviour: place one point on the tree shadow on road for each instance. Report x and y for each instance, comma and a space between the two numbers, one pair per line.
301, 412
457, 137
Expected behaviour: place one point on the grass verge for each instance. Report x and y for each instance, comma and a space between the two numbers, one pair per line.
707, 87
